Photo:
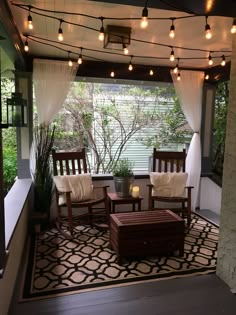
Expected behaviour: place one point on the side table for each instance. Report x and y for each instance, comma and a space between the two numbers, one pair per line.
114, 200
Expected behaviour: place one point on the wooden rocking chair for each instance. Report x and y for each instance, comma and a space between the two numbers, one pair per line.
170, 164
71, 181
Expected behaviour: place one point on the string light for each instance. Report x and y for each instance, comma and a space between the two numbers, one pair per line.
80, 60
208, 33
207, 76
125, 49
70, 63
130, 64
151, 72
172, 55
60, 32
176, 69
223, 61
30, 20
233, 28
26, 46
178, 77
112, 74
210, 60
144, 20
172, 29
101, 33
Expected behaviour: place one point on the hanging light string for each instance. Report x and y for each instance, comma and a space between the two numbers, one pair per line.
35, 9
25, 7
47, 41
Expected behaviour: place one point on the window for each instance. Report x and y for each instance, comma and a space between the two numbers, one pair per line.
120, 120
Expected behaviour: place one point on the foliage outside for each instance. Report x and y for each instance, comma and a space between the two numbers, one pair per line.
221, 106
42, 173
105, 120
9, 142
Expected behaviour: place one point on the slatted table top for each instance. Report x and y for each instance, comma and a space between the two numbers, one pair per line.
145, 217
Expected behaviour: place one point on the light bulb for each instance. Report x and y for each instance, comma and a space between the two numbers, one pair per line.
80, 60
176, 69
60, 35
30, 22
178, 77
172, 55
125, 49
210, 61
70, 63
26, 47
101, 34
233, 28
130, 67
172, 31
207, 76
208, 33
223, 62
112, 74
144, 20
151, 72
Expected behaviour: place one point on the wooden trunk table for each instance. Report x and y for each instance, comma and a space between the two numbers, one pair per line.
146, 233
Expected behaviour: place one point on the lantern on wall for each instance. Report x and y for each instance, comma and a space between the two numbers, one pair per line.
17, 115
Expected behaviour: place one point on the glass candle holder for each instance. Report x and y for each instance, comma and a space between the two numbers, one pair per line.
135, 191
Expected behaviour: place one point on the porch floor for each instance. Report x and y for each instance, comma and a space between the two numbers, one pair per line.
197, 295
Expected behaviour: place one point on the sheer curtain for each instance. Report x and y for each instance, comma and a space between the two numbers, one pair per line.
52, 81
189, 93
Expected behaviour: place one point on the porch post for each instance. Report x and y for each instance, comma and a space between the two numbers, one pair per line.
226, 264
24, 134
2, 214
208, 103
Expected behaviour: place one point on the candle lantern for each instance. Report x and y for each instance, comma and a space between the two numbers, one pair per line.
135, 191
17, 111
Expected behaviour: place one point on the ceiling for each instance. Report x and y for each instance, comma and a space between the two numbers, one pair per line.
150, 47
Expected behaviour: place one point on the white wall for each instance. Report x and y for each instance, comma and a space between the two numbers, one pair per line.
16, 241
210, 195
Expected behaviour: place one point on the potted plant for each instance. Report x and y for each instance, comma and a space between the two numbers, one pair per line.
42, 172
123, 177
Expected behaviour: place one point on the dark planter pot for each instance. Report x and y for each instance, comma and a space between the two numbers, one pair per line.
123, 186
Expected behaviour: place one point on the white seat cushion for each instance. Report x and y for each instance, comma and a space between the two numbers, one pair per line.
169, 184
80, 185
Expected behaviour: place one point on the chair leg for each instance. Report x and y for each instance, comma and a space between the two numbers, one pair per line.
90, 215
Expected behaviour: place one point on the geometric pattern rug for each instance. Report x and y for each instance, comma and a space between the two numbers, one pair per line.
57, 266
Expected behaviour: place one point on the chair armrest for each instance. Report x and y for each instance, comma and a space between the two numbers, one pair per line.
63, 191
150, 185
104, 186
188, 187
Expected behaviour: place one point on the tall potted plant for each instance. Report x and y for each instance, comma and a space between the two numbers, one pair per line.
42, 172
123, 177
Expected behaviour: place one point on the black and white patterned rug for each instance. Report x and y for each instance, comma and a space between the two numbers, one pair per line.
57, 266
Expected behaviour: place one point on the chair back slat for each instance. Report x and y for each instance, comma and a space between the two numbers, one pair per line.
69, 163
168, 161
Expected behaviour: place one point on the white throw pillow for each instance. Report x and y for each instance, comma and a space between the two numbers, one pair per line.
80, 185
169, 184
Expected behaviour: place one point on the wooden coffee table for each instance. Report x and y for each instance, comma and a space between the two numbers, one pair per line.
146, 233
114, 200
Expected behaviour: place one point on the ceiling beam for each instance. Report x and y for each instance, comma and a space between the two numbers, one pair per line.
12, 44
201, 7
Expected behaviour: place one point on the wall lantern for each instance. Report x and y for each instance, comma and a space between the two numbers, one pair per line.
17, 115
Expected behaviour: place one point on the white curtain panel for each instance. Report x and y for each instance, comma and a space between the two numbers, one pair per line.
189, 93
52, 81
